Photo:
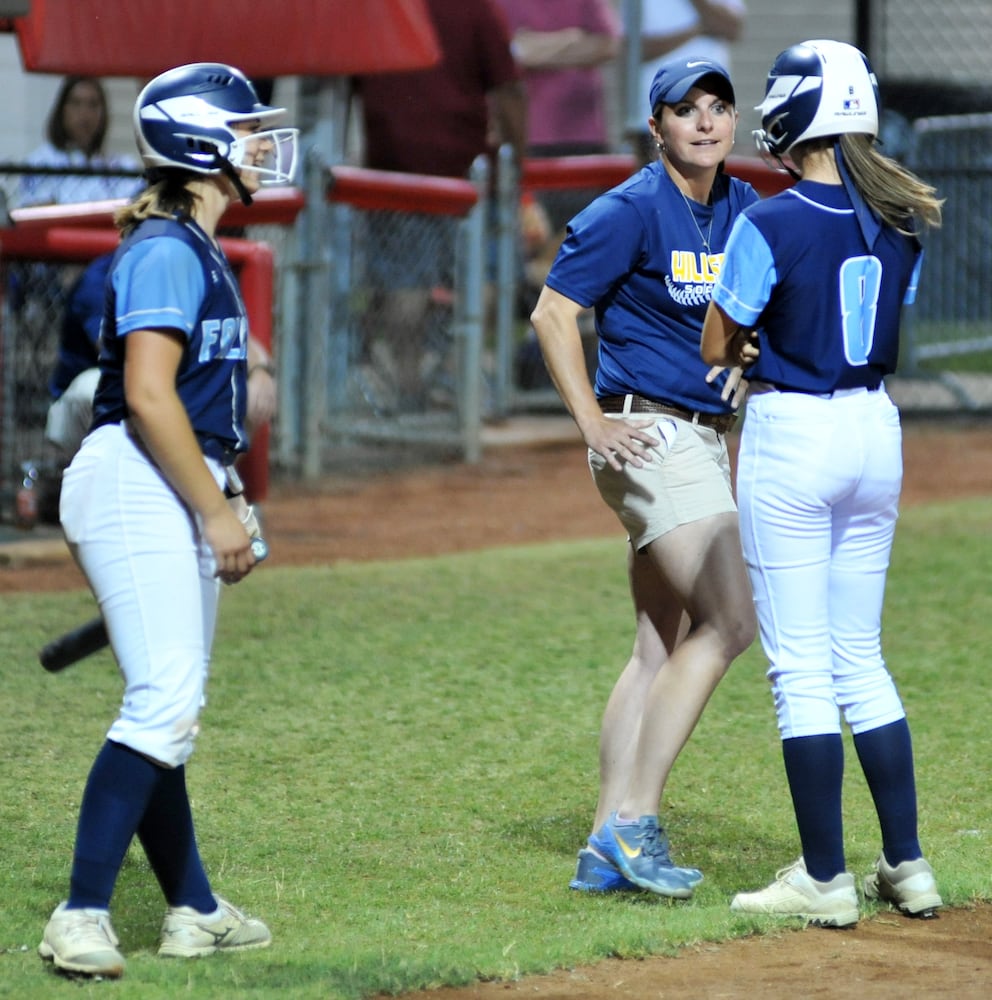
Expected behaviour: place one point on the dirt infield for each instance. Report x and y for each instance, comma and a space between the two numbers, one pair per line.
542, 492
886, 957
520, 493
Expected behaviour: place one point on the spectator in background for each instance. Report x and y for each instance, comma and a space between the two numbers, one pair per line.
561, 46
76, 133
674, 29
436, 120
433, 121
73, 381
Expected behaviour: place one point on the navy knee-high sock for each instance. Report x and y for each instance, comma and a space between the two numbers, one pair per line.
167, 835
886, 756
120, 784
814, 767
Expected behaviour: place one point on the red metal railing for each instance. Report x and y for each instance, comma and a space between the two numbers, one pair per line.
606, 171
78, 233
381, 190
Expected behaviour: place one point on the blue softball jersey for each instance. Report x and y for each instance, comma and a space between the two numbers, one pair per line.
637, 255
169, 275
814, 335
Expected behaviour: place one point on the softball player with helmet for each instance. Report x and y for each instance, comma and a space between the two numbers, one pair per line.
143, 505
644, 256
809, 296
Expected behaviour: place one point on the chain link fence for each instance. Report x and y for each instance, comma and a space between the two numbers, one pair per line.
34, 296
943, 46
935, 80
44, 252
384, 353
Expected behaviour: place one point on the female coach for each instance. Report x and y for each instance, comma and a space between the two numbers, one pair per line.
644, 256
143, 505
822, 272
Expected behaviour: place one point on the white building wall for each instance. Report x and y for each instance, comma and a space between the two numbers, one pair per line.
771, 27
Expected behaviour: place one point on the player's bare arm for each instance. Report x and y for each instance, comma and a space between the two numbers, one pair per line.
563, 48
725, 342
555, 320
720, 20
262, 389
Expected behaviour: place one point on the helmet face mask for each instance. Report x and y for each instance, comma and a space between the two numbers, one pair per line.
184, 119
271, 154
815, 89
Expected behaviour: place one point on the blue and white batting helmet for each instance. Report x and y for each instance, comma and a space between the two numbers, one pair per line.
815, 89
183, 119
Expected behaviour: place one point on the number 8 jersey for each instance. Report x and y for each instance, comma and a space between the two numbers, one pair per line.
815, 335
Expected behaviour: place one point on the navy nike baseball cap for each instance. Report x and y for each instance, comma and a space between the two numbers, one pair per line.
677, 77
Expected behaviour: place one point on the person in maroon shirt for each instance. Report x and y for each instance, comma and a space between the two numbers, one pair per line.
433, 121
437, 121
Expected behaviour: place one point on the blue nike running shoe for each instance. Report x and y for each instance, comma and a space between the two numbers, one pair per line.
594, 873
640, 852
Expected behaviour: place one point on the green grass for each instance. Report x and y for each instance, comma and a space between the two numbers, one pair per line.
398, 764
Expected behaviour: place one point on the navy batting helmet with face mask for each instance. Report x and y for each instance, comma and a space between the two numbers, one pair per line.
183, 120
815, 89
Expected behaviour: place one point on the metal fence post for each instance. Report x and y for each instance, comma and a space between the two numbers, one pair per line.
315, 314
633, 19
470, 311
339, 331
507, 199
8, 416
290, 318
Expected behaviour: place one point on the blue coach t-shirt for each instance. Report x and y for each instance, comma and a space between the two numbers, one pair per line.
638, 255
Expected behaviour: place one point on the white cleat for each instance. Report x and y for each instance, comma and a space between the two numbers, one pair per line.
795, 894
82, 941
187, 933
910, 886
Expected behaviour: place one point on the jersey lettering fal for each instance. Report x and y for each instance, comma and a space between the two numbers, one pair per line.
168, 275
638, 255
815, 335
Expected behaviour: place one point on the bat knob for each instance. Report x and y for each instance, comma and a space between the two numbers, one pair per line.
259, 549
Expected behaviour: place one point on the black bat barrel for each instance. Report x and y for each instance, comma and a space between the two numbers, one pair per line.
74, 646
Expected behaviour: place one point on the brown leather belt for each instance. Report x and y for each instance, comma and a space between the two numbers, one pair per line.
720, 422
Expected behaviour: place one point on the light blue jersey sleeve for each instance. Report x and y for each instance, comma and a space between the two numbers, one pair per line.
747, 276
914, 281
158, 285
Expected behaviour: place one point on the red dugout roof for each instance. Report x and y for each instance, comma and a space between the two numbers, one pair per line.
287, 37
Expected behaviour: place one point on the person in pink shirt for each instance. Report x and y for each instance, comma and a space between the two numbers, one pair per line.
561, 46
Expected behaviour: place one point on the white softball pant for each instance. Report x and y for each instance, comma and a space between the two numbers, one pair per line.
153, 577
818, 491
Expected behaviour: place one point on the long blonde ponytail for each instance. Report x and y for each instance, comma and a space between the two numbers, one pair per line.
896, 194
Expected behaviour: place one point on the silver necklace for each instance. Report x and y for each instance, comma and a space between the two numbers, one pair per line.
692, 215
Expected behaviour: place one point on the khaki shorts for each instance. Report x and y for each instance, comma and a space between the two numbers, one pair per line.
687, 479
